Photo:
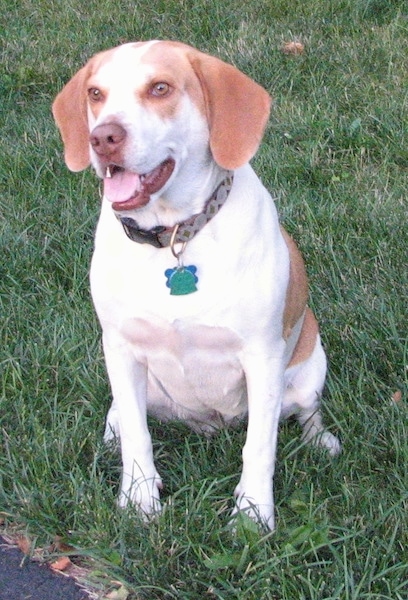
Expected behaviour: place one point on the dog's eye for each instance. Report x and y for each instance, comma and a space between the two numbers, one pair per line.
160, 89
95, 95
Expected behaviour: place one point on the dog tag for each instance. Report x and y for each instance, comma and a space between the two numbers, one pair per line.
181, 280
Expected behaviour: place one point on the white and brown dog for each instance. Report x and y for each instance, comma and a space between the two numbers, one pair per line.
200, 293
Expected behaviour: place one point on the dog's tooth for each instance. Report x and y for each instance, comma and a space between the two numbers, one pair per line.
108, 173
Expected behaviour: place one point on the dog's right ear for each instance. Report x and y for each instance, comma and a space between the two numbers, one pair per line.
70, 114
237, 109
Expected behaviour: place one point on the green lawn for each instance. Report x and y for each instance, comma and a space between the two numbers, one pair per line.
336, 155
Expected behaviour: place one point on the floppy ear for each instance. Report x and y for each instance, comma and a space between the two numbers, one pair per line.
237, 110
69, 110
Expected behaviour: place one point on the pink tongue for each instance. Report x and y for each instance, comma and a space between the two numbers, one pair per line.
123, 186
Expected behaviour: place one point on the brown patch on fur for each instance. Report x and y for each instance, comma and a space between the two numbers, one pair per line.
172, 65
307, 339
297, 292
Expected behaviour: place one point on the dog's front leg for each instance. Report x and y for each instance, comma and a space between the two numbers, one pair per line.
254, 493
128, 378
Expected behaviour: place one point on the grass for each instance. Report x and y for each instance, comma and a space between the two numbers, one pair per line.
335, 153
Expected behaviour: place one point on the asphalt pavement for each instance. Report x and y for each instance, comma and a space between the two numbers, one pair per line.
24, 579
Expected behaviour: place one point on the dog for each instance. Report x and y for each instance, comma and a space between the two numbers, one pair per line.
201, 294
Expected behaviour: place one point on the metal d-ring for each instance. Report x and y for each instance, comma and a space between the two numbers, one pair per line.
173, 242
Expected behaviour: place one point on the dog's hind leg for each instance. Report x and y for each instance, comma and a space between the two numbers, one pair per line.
304, 385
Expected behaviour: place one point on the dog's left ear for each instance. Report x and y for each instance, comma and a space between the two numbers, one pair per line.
69, 110
237, 110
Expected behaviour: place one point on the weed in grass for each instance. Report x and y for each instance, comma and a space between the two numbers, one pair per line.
335, 153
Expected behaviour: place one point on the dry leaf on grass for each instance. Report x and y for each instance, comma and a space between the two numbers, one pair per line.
60, 546
293, 48
397, 396
121, 593
24, 544
61, 564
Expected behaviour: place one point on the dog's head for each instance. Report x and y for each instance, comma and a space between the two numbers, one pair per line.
146, 112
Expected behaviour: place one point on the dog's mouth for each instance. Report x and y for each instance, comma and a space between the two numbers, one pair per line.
127, 190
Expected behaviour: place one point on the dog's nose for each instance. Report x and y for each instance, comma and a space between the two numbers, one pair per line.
107, 139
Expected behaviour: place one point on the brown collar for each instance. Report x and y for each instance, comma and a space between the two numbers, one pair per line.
161, 237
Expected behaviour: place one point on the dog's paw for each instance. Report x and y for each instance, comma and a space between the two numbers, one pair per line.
260, 509
327, 440
144, 494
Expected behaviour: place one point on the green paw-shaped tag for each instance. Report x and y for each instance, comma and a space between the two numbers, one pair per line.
181, 280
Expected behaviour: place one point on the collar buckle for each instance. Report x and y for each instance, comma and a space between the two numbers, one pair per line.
142, 236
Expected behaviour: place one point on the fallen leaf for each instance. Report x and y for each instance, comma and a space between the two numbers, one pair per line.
121, 593
293, 48
60, 546
61, 564
24, 544
397, 396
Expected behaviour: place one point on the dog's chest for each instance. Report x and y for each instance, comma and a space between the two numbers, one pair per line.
194, 371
